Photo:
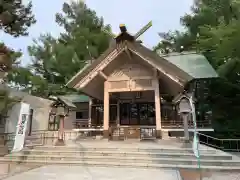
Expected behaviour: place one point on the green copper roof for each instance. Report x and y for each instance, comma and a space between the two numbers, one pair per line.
196, 65
76, 98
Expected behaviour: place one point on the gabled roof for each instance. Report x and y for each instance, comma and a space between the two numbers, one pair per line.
62, 100
89, 67
76, 98
174, 65
178, 98
196, 65
161, 62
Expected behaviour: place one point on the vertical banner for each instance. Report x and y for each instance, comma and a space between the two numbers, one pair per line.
21, 127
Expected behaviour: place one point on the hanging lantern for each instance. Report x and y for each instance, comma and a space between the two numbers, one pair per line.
61, 110
184, 106
53, 110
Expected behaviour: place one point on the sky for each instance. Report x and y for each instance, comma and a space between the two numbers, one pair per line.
165, 15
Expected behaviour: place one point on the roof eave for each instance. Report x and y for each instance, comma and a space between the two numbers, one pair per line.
83, 72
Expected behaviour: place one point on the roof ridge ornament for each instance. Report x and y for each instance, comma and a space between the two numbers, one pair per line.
125, 36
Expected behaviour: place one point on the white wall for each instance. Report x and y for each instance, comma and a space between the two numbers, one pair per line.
12, 120
41, 108
71, 118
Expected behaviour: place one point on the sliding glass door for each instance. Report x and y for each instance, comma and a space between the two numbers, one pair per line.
137, 114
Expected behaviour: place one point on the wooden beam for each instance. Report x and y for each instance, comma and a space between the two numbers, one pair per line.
128, 52
143, 30
103, 75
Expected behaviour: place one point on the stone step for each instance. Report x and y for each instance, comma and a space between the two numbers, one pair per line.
147, 160
124, 154
123, 164
166, 150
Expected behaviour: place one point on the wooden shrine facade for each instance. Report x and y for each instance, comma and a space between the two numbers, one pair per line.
134, 85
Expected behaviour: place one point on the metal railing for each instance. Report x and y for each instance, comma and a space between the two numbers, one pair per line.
172, 119
228, 145
39, 138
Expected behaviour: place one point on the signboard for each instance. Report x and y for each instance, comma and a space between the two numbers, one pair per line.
21, 127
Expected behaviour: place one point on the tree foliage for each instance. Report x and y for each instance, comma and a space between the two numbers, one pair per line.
212, 28
55, 60
6, 102
15, 18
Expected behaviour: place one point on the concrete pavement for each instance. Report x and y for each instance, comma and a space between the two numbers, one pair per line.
95, 173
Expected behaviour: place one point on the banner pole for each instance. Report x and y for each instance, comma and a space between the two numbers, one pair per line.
195, 139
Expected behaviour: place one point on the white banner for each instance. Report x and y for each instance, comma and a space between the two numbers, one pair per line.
21, 127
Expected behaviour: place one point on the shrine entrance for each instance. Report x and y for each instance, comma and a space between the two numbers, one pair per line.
137, 114
134, 113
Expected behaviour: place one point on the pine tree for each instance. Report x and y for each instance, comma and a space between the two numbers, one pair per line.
56, 60
15, 18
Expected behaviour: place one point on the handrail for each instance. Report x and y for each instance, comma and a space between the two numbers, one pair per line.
218, 138
232, 145
208, 136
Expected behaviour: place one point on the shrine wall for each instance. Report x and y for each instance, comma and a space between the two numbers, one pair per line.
131, 77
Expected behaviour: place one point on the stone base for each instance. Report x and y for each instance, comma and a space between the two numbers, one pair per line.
105, 134
60, 142
158, 134
165, 135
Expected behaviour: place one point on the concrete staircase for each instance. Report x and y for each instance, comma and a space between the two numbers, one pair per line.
124, 156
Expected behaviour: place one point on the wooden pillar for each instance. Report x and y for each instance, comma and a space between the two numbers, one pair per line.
118, 114
60, 141
106, 111
157, 109
61, 128
90, 113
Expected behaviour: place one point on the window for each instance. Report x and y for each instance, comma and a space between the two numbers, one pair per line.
82, 115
